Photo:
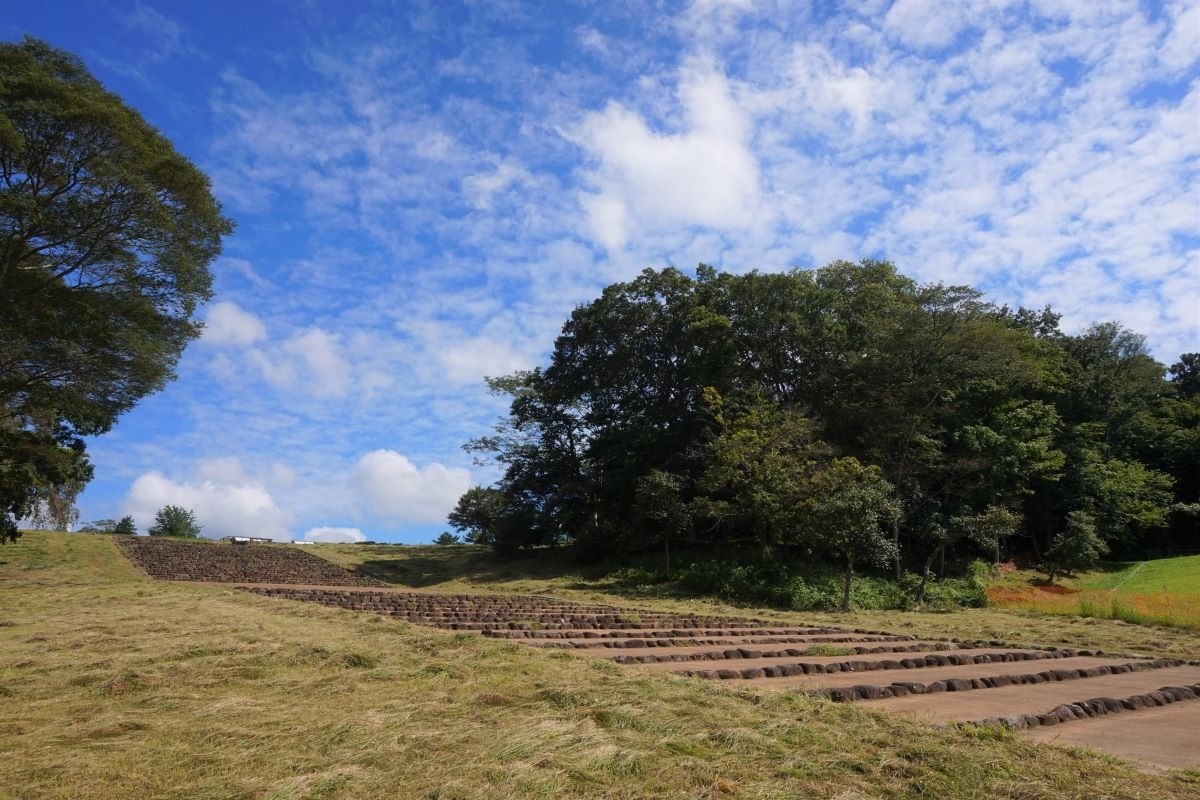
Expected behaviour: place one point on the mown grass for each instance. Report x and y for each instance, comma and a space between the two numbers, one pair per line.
1162, 592
116, 686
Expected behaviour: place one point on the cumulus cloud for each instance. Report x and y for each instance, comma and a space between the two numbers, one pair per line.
646, 180
334, 535
228, 323
223, 507
393, 487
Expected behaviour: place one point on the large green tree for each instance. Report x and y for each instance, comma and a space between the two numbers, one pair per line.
106, 234
704, 409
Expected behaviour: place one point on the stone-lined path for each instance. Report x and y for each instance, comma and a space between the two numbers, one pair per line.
982, 682
1139, 708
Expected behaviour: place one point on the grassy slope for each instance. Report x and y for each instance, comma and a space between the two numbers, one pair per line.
1165, 591
1175, 575
113, 685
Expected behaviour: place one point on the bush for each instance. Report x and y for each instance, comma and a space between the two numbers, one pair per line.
1077, 548
175, 521
777, 585
125, 527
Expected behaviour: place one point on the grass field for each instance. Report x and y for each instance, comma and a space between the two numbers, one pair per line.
1162, 592
117, 686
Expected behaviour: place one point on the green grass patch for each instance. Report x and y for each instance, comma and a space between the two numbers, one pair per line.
1162, 592
1179, 575
829, 650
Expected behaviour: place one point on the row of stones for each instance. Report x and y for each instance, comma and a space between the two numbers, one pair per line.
697, 641
453, 603
747, 652
932, 660
607, 638
1096, 707
905, 688
168, 559
487, 614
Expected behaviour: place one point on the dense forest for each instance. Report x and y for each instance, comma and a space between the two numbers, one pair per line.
846, 415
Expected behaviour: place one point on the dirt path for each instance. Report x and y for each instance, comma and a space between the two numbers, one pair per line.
1037, 699
1167, 737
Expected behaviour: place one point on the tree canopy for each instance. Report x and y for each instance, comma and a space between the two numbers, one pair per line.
174, 521
846, 413
106, 234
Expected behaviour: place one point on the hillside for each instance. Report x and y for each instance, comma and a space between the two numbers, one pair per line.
115, 685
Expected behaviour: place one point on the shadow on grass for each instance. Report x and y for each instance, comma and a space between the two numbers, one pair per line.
424, 567
419, 567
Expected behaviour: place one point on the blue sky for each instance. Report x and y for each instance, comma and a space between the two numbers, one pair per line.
423, 191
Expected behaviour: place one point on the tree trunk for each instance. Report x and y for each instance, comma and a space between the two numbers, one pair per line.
928, 568
846, 584
667, 553
942, 565
896, 542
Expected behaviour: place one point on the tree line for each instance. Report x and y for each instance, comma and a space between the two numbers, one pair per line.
846, 414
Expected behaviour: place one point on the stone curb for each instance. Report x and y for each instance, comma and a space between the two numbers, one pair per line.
1087, 709
740, 651
904, 688
931, 660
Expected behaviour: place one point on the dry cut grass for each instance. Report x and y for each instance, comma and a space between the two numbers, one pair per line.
116, 686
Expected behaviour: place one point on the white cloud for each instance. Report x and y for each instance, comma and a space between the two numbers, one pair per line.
309, 362
334, 535
481, 187
449, 353
823, 88
228, 323
645, 181
930, 23
223, 508
393, 487
318, 350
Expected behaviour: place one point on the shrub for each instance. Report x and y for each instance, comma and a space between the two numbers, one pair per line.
778, 585
1077, 548
175, 521
125, 527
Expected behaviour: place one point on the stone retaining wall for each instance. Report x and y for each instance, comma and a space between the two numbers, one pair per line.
177, 560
